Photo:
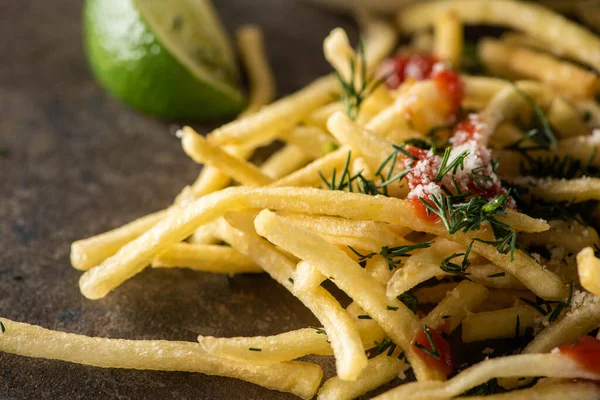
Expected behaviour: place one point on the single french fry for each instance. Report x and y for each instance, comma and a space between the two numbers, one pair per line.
284, 161
87, 253
392, 315
289, 345
479, 90
378, 268
380, 370
313, 141
454, 308
319, 117
344, 227
374, 149
566, 119
251, 45
299, 378
531, 18
588, 267
568, 234
208, 258
342, 332
203, 152
492, 276
523, 365
576, 323
575, 190
449, 41
309, 175
307, 277
499, 299
264, 125
421, 267
269, 349
434, 294
509, 322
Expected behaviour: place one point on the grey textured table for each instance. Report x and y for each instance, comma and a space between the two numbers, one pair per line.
80, 163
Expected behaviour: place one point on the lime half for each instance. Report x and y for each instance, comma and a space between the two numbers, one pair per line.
171, 59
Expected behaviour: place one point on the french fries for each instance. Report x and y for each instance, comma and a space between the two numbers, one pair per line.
588, 267
301, 379
393, 316
208, 258
510, 322
523, 365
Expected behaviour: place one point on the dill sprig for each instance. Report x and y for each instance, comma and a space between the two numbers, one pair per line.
391, 255
410, 301
2, 327
551, 309
254, 349
319, 331
446, 166
550, 210
358, 182
557, 167
353, 92
386, 344
470, 215
542, 134
433, 351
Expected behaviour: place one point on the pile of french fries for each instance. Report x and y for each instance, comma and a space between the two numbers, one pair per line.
280, 219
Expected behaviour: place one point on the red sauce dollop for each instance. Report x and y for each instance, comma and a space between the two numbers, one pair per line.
444, 364
586, 351
448, 82
421, 211
416, 66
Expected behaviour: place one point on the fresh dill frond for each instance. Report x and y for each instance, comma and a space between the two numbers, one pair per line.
391, 255
542, 134
359, 86
454, 165
433, 351
410, 301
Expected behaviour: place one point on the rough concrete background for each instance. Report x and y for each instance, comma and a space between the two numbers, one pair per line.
80, 163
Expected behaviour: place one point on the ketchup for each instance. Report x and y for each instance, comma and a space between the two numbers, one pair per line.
444, 362
448, 83
585, 351
416, 66
421, 211
419, 67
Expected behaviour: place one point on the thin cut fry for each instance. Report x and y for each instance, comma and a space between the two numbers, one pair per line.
448, 42
299, 378
312, 140
87, 253
285, 161
262, 82
499, 324
576, 323
208, 258
306, 278
453, 309
588, 267
575, 190
203, 152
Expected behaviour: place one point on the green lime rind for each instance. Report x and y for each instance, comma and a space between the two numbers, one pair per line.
131, 63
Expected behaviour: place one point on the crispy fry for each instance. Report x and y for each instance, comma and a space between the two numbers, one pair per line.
506, 323
301, 379
208, 258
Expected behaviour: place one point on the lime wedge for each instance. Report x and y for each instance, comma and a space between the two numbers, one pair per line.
171, 59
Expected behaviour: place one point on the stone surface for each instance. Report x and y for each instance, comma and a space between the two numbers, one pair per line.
80, 163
